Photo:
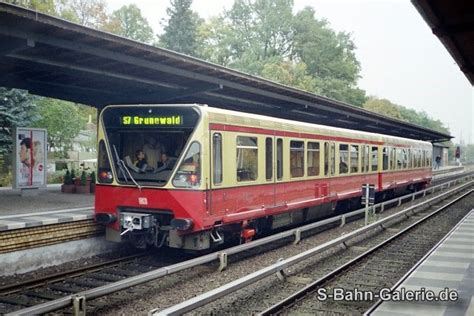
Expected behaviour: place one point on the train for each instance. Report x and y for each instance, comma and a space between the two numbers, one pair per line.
194, 177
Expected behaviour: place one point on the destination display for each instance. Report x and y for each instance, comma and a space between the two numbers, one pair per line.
174, 120
150, 117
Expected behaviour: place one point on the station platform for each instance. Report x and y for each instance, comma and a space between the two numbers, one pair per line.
448, 269
48, 206
446, 171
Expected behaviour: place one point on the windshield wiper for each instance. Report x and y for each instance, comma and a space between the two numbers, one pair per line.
123, 167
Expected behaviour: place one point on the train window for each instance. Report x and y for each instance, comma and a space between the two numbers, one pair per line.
313, 159
217, 158
409, 158
428, 158
268, 158
343, 158
247, 158
403, 158
329, 159
375, 158
393, 158
189, 172
386, 156
326, 159
279, 158
366, 154
296, 158
363, 158
104, 170
398, 158
354, 158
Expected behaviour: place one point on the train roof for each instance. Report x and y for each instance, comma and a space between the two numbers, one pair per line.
261, 121
56, 58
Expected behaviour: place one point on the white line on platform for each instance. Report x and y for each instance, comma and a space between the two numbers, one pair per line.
88, 208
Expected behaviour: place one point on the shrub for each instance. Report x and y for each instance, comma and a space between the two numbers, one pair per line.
57, 177
93, 177
68, 177
83, 178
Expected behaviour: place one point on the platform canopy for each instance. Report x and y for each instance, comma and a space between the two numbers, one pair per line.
453, 23
55, 58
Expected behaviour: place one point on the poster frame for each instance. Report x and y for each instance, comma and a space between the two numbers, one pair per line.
16, 161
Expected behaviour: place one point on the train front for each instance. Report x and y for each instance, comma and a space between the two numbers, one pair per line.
149, 188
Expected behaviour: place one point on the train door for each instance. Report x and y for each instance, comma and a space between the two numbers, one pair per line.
279, 186
270, 169
216, 193
329, 166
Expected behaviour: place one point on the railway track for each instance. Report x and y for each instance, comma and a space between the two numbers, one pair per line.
90, 289
378, 268
36, 291
255, 292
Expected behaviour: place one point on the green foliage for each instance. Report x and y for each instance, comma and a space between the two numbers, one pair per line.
264, 38
93, 177
68, 179
73, 174
63, 122
55, 177
83, 178
17, 108
260, 30
6, 179
180, 31
128, 21
91, 13
45, 6
292, 74
385, 107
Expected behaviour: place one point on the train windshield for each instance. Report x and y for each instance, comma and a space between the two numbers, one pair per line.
145, 142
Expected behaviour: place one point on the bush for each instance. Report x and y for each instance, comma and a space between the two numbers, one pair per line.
68, 177
83, 178
93, 177
6, 180
57, 177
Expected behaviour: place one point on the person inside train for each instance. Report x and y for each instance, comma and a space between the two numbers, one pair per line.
140, 161
167, 163
343, 168
152, 150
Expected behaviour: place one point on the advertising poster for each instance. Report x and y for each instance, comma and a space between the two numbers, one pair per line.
30, 157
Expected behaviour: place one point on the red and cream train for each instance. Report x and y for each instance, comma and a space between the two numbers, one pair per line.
233, 175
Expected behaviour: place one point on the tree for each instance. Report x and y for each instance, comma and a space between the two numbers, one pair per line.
128, 21
17, 108
265, 38
260, 30
63, 122
385, 107
180, 31
292, 74
45, 6
91, 13
329, 56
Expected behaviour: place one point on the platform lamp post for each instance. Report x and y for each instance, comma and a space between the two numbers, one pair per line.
368, 199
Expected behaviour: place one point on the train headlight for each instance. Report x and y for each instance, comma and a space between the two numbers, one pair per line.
181, 223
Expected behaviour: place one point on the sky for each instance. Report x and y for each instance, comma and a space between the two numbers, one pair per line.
401, 59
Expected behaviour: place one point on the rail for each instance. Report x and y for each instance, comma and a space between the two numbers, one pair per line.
275, 309
278, 267
81, 297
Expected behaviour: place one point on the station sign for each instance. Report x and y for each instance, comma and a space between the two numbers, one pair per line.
29, 157
368, 194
